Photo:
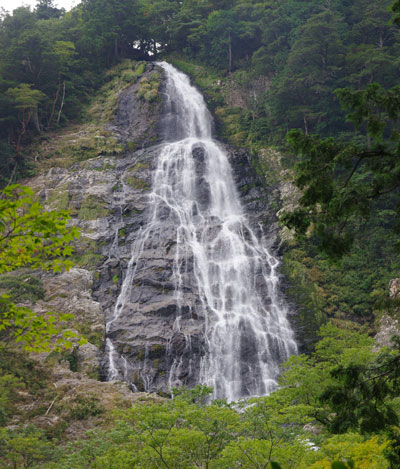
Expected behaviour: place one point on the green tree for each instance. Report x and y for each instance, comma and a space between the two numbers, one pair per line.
361, 396
26, 101
45, 9
24, 449
341, 180
301, 96
32, 237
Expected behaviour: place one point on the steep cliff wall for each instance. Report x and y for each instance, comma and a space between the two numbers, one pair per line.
102, 172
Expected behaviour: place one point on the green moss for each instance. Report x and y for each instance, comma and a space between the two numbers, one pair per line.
129, 76
88, 261
157, 351
93, 373
139, 166
85, 406
140, 68
137, 183
66, 355
106, 166
230, 125
58, 199
92, 208
127, 213
87, 254
132, 180
244, 189
148, 89
206, 79
89, 139
85, 330
131, 145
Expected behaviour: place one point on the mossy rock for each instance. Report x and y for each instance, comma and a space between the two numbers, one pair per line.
92, 208
133, 180
89, 139
156, 351
148, 89
140, 68
58, 198
129, 76
131, 145
87, 253
139, 166
140, 353
88, 261
137, 183
85, 330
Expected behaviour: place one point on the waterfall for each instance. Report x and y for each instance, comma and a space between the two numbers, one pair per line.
246, 333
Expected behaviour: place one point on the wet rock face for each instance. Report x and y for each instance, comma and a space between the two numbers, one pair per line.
253, 194
155, 353
136, 121
109, 198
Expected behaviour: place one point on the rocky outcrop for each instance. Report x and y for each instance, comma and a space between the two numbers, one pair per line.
394, 289
73, 403
237, 94
388, 326
71, 293
108, 196
253, 194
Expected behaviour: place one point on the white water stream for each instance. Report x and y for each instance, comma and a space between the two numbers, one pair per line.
247, 334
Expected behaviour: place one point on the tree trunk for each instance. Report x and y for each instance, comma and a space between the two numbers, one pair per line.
24, 124
36, 122
54, 102
62, 104
116, 52
13, 173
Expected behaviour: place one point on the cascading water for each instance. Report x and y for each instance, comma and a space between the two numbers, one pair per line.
246, 334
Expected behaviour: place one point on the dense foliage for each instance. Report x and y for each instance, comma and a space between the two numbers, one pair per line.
34, 238
340, 403
52, 60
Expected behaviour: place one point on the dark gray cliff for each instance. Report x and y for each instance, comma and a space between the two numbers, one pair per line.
110, 198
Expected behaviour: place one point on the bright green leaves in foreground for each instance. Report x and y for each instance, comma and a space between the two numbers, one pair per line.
37, 333
292, 426
340, 181
32, 237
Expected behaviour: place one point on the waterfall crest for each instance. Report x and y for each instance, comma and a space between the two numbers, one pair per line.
246, 334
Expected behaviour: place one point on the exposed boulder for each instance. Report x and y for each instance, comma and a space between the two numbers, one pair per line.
388, 326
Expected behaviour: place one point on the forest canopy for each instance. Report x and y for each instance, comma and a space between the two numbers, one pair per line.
51, 60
